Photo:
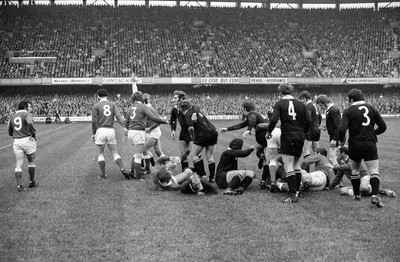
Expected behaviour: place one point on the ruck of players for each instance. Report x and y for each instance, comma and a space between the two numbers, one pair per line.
291, 158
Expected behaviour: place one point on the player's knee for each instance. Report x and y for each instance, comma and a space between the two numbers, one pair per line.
138, 158
250, 173
116, 157
365, 189
272, 162
31, 164
100, 158
18, 169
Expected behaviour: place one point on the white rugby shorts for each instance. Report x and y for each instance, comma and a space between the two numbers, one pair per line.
24, 145
137, 137
105, 136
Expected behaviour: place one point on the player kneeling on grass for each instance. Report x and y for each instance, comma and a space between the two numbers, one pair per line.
228, 176
187, 181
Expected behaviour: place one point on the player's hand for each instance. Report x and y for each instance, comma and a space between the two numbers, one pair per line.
173, 134
126, 130
248, 132
269, 135
223, 130
322, 127
93, 138
175, 159
333, 143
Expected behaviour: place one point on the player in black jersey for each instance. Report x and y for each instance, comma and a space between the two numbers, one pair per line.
314, 132
184, 135
360, 119
204, 135
333, 118
295, 122
252, 121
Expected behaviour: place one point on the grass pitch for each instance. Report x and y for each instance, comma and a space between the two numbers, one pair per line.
73, 216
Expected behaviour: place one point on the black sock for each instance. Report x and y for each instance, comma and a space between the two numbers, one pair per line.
199, 166
246, 182
292, 182
211, 168
31, 171
266, 176
356, 185
235, 182
153, 163
184, 165
375, 182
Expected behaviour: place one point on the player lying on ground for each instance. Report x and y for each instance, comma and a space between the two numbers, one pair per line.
187, 181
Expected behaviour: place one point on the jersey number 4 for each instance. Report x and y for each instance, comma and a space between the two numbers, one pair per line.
291, 111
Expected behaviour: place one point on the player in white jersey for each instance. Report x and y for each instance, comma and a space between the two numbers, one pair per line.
103, 114
21, 128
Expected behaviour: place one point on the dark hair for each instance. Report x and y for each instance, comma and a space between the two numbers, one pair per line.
236, 144
305, 94
248, 106
102, 93
322, 151
184, 104
137, 96
323, 99
163, 175
181, 95
344, 150
355, 95
285, 89
23, 105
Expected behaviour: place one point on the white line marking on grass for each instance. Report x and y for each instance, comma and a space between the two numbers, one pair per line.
45, 133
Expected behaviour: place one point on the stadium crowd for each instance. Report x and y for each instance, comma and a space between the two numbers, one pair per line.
76, 41
213, 104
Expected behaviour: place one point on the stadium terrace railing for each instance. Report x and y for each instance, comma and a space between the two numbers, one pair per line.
198, 81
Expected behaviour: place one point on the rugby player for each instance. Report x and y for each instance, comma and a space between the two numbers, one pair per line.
135, 125
228, 175
21, 128
295, 122
184, 135
360, 119
103, 113
204, 136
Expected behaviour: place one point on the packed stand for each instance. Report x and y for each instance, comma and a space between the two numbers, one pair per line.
169, 41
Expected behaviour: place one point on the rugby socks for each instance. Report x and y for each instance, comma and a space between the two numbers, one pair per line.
298, 180
211, 168
102, 165
199, 166
138, 170
246, 182
266, 176
375, 182
292, 182
235, 183
355, 182
18, 177
31, 171
119, 163
184, 165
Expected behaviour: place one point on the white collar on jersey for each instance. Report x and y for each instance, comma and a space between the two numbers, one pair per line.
329, 106
358, 103
287, 97
103, 99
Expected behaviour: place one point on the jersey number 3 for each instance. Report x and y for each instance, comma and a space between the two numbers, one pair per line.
291, 111
367, 119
